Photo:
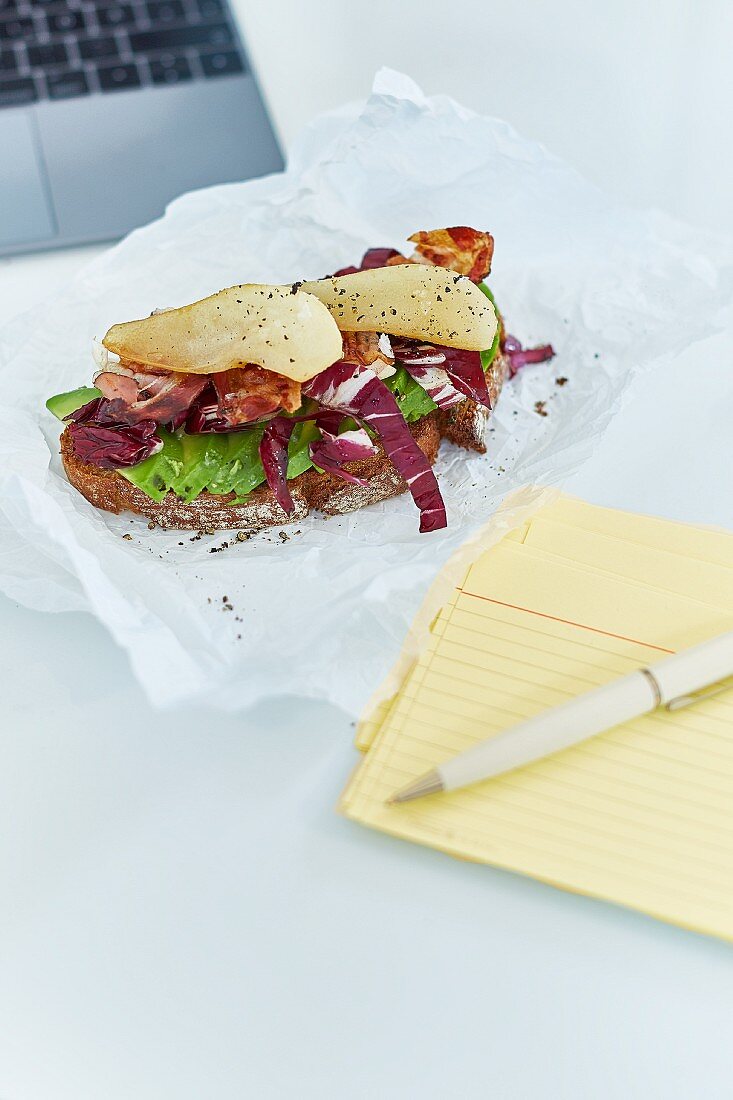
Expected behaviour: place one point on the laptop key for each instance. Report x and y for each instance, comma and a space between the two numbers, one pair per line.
15, 92
116, 78
8, 61
13, 29
176, 38
117, 15
168, 69
50, 53
222, 63
66, 85
165, 11
92, 49
62, 22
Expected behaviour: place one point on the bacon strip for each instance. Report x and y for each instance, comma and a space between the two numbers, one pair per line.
248, 393
367, 348
243, 394
143, 395
459, 248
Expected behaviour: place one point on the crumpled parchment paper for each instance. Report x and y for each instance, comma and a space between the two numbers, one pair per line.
323, 609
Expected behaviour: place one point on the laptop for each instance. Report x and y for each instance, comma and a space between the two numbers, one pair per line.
111, 108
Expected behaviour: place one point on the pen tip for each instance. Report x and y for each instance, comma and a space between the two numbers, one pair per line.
426, 784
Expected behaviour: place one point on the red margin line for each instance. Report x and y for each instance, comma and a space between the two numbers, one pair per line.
568, 622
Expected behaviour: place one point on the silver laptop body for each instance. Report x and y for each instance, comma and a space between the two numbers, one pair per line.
111, 108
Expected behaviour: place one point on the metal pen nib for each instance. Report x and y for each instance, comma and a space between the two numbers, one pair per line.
430, 783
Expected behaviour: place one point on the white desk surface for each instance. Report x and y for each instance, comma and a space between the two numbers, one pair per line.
184, 916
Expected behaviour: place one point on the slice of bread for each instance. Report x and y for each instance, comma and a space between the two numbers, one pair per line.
463, 425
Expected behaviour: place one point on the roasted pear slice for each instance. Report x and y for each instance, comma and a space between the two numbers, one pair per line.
290, 333
411, 300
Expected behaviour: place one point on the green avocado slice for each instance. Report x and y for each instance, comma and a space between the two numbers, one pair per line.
63, 404
156, 474
221, 463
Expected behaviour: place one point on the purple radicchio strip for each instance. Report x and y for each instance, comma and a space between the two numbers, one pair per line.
358, 392
203, 414
426, 364
521, 357
274, 457
448, 375
330, 452
114, 448
373, 257
467, 374
99, 438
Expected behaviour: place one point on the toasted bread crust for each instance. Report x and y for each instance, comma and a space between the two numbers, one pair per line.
106, 489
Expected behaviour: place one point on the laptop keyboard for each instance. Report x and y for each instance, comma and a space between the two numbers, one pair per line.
57, 49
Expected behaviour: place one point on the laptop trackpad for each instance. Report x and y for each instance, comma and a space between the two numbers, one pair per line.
25, 211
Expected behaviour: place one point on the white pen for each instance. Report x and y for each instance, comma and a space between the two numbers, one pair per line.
670, 683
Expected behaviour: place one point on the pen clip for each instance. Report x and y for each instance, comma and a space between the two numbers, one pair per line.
683, 701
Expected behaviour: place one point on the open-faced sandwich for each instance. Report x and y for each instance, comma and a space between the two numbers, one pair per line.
259, 403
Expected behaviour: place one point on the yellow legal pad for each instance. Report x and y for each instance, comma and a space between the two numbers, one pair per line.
642, 815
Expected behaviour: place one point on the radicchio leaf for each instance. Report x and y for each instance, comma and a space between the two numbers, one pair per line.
426, 364
448, 375
203, 415
358, 392
467, 374
99, 411
332, 451
377, 257
373, 257
112, 447
274, 456
521, 357
328, 420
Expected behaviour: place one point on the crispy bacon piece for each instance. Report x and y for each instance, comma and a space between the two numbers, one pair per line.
118, 387
398, 258
137, 395
241, 395
248, 393
459, 248
366, 348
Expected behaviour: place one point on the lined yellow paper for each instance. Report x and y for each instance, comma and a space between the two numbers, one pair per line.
703, 543
641, 815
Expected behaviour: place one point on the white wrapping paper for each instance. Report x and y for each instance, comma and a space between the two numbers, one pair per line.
324, 611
